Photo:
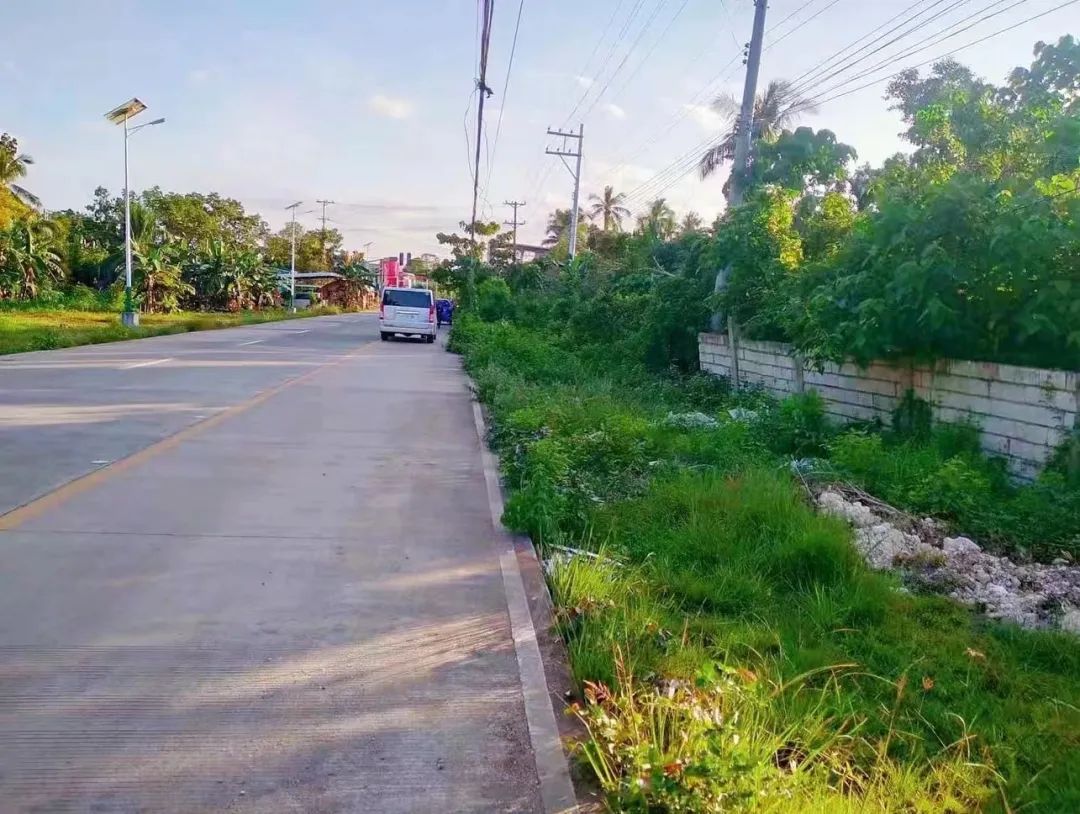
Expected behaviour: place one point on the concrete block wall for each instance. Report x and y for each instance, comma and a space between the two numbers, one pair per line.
1025, 413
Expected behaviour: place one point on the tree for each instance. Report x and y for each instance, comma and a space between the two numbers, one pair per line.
801, 160
13, 166
158, 279
609, 207
691, 224
28, 260
558, 225
194, 218
309, 248
775, 109
659, 220
472, 246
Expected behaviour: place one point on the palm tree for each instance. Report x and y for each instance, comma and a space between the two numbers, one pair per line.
610, 207
659, 220
12, 168
691, 223
27, 259
558, 225
159, 279
778, 107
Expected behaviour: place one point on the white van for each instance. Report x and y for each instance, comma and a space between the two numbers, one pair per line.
409, 312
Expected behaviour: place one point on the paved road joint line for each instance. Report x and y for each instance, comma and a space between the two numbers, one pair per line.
556, 788
151, 363
59, 495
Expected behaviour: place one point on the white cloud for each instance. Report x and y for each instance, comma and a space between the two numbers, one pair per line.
584, 81
615, 111
390, 107
706, 117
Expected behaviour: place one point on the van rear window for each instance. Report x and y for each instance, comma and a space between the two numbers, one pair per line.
407, 298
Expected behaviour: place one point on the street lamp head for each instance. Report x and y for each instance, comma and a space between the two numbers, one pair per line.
130, 108
155, 121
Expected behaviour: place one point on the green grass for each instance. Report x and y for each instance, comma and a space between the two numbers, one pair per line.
715, 572
27, 330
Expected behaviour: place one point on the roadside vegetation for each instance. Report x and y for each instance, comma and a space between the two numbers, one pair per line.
46, 328
731, 649
198, 261
727, 640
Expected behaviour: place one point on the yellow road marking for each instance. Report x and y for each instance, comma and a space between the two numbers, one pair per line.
80, 484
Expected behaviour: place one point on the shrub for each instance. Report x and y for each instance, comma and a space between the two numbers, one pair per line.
798, 426
493, 299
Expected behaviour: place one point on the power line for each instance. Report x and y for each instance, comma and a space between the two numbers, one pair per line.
843, 50
928, 42
923, 44
506, 86
852, 61
688, 107
795, 13
648, 24
809, 19
600, 39
672, 173
939, 57
607, 58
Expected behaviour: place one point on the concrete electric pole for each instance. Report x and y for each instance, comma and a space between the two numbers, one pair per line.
563, 153
744, 137
744, 133
322, 234
292, 260
515, 223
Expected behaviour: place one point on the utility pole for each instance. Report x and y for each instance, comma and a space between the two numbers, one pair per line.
515, 223
322, 235
744, 137
744, 134
292, 261
484, 92
563, 154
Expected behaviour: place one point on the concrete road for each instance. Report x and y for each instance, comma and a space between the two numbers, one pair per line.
254, 570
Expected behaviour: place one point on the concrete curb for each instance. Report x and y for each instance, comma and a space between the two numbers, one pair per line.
556, 787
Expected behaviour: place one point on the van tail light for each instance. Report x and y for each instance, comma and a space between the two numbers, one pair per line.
382, 310
431, 313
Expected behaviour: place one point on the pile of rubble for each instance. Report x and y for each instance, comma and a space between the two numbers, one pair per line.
1030, 594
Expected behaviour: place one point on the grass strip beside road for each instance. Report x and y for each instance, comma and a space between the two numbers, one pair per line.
731, 649
22, 331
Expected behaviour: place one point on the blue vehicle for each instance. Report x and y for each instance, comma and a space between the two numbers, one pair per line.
444, 311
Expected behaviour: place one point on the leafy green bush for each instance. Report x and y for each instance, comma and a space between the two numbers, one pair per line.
493, 299
797, 426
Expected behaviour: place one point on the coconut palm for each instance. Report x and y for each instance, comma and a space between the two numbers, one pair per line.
658, 220
557, 226
27, 259
158, 279
609, 206
13, 167
691, 223
778, 107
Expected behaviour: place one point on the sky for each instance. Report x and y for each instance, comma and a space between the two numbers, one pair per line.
371, 104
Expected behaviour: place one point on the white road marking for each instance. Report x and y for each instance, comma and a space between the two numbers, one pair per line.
151, 363
253, 342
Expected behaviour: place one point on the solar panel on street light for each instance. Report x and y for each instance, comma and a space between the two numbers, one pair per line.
119, 115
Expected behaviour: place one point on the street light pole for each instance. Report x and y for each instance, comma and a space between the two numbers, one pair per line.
120, 115
292, 260
130, 318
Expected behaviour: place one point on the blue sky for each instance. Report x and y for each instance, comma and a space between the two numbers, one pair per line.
364, 102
